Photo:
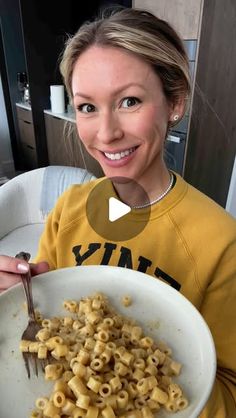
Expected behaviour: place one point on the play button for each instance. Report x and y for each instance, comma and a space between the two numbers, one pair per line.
111, 218
117, 209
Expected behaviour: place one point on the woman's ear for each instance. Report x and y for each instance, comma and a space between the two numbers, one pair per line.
177, 110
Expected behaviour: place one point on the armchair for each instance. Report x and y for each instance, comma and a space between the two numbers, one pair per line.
25, 201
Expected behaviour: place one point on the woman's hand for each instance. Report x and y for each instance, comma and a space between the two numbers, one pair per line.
11, 268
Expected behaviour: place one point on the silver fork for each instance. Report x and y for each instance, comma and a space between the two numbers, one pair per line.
33, 327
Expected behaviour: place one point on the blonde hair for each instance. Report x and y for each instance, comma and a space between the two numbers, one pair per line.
138, 32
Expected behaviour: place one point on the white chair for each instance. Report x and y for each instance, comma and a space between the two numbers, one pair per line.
25, 201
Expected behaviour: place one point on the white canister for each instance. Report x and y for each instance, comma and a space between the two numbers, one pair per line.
57, 97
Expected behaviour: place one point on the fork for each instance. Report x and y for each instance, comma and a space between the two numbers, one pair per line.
33, 327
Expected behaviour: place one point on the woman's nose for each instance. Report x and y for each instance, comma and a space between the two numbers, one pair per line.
109, 129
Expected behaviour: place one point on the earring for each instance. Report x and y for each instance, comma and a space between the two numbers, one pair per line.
176, 117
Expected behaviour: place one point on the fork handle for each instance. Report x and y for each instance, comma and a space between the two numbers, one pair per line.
26, 281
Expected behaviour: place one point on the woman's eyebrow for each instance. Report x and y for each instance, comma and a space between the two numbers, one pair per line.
114, 92
85, 96
126, 86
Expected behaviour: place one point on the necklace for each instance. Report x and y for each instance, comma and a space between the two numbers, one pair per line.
159, 197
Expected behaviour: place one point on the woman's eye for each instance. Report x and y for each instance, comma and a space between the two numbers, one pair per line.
130, 101
86, 108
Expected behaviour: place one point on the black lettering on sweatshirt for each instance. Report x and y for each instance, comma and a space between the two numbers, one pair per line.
159, 273
109, 248
91, 249
125, 258
144, 263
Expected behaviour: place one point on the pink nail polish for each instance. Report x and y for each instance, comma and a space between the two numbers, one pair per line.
22, 268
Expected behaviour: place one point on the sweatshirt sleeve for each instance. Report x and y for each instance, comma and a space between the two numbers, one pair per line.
219, 311
47, 250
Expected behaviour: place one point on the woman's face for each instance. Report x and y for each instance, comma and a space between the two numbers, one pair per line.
122, 113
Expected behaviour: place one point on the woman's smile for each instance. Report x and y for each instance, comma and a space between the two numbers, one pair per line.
119, 155
119, 158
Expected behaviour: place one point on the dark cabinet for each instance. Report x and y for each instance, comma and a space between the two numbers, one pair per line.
64, 149
211, 146
27, 138
33, 34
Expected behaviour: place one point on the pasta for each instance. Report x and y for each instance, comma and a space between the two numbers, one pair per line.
103, 366
126, 300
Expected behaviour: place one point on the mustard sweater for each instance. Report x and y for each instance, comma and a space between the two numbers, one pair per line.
189, 242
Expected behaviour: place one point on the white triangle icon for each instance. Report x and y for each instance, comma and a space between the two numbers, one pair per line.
117, 209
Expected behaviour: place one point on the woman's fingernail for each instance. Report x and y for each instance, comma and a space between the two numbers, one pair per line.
23, 268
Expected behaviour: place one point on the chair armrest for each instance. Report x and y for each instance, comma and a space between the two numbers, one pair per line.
12, 208
19, 202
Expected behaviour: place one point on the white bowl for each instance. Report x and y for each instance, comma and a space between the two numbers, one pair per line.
162, 311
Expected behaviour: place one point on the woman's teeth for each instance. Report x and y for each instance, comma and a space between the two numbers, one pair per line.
119, 155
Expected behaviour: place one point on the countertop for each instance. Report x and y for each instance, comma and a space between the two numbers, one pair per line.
70, 116
23, 105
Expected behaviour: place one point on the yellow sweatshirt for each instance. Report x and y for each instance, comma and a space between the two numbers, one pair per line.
189, 243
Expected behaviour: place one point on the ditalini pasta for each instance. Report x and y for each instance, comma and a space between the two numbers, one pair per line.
103, 366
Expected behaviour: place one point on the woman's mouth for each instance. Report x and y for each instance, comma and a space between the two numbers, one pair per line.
119, 155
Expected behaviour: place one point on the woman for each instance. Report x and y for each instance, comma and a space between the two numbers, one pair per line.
127, 77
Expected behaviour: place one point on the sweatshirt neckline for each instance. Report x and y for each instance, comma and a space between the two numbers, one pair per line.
159, 208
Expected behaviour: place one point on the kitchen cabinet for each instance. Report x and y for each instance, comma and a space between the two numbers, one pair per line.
183, 15
31, 41
67, 151
211, 132
211, 145
27, 138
